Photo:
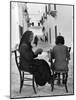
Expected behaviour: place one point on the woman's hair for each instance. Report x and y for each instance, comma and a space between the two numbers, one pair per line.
25, 37
59, 40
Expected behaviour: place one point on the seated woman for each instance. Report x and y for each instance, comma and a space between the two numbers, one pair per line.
61, 56
39, 68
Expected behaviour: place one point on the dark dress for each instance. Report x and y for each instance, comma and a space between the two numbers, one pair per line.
39, 68
60, 53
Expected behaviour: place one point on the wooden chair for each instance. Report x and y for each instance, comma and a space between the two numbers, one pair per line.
23, 73
64, 73
56, 78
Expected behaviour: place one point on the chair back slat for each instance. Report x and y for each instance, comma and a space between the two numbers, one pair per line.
17, 57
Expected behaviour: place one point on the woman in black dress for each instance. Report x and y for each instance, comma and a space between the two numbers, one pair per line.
39, 68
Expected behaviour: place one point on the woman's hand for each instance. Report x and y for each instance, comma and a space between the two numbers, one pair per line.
38, 51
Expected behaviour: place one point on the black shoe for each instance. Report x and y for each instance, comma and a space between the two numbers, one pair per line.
58, 82
63, 82
55, 76
50, 80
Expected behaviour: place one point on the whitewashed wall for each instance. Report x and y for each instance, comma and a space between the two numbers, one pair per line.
14, 25
64, 22
17, 18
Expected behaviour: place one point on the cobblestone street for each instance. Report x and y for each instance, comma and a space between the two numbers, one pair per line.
27, 91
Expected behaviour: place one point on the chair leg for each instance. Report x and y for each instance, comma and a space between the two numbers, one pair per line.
52, 86
66, 88
34, 85
66, 76
63, 80
21, 81
52, 83
58, 82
